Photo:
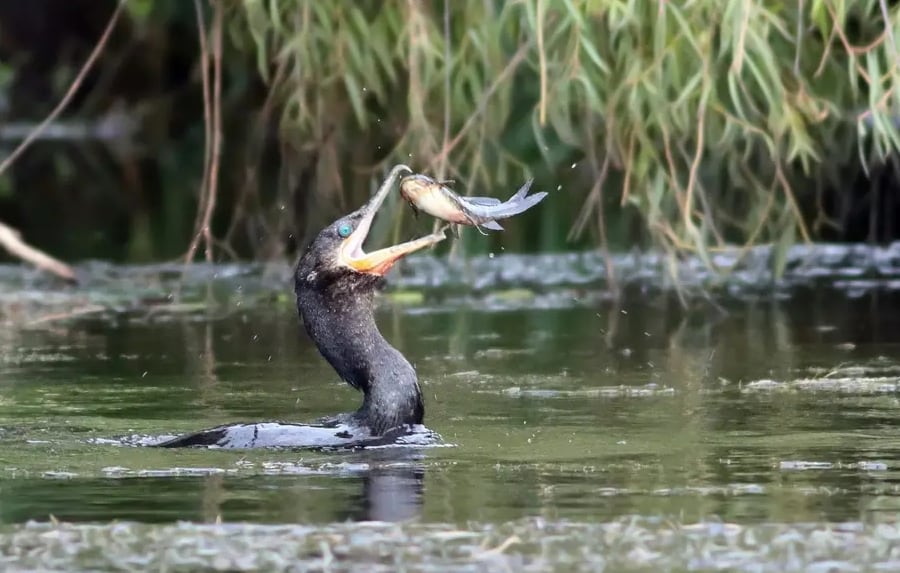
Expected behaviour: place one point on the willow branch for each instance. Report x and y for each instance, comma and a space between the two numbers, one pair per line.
70, 93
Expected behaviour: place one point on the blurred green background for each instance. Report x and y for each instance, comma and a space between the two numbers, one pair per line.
684, 126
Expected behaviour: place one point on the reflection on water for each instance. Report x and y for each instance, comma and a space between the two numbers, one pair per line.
590, 412
388, 489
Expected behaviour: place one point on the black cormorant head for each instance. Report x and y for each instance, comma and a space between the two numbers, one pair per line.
335, 260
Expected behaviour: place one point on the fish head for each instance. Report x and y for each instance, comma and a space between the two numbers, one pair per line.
416, 187
431, 196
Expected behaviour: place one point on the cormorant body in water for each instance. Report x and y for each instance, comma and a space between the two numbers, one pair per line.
335, 281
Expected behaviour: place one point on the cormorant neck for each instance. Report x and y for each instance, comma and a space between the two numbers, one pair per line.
342, 325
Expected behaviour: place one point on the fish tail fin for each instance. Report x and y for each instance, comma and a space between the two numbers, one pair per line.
516, 205
492, 225
523, 190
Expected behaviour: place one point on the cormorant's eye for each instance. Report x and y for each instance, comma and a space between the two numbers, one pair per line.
344, 230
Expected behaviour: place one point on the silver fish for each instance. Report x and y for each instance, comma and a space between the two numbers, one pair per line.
434, 197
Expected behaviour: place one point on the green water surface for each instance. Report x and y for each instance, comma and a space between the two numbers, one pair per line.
778, 412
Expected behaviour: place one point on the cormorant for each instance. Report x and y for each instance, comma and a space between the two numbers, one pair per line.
335, 281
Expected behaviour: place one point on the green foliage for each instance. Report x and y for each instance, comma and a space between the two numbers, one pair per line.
710, 118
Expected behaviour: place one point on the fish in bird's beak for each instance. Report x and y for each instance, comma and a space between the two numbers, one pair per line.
434, 197
380, 262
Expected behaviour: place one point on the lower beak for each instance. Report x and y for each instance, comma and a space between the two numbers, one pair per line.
380, 262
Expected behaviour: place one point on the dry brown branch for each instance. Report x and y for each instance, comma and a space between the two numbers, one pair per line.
70, 93
792, 201
207, 128
629, 162
442, 169
253, 152
12, 242
542, 64
66, 315
217, 127
9, 237
511, 66
209, 190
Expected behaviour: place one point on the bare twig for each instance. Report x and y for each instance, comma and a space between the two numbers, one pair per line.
74, 313
799, 39
595, 202
792, 201
209, 188
253, 152
629, 162
442, 169
695, 165
207, 125
511, 66
70, 93
601, 224
217, 127
12, 242
9, 238
542, 63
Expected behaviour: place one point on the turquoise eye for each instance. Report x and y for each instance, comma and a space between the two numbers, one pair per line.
344, 230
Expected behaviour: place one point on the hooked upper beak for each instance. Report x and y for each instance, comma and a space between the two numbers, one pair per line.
380, 262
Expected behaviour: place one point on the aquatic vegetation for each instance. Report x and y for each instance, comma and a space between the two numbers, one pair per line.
627, 544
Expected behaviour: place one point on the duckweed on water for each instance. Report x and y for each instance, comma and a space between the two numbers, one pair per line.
870, 385
628, 544
500, 282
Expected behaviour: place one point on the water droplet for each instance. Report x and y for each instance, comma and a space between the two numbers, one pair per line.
559, 187
490, 255
573, 165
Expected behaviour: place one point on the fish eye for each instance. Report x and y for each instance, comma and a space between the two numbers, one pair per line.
344, 230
